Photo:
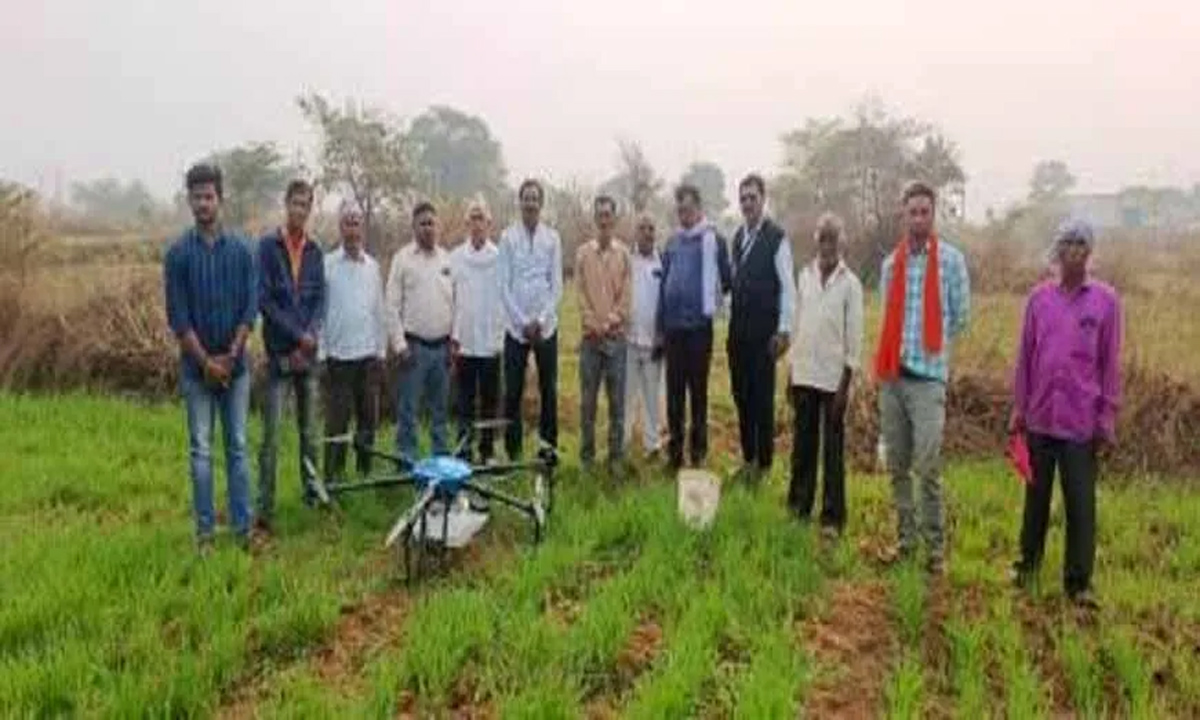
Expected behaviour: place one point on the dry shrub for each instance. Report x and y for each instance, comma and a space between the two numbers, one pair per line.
1158, 426
116, 341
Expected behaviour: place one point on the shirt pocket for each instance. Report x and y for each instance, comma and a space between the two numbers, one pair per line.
1086, 346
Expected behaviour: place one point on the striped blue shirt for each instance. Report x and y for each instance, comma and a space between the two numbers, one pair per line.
956, 306
210, 290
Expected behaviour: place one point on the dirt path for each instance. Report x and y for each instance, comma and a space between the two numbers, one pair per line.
857, 639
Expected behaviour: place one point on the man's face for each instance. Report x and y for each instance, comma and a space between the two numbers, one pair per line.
477, 224
918, 216
425, 228
688, 211
351, 227
645, 237
1073, 254
204, 203
605, 219
751, 201
299, 206
828, 248
531, 205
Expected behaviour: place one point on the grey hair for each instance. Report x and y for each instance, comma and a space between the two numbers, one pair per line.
829, 223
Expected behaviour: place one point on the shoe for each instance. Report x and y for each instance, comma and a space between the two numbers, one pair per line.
243, 542
263, 526
898, 556
1084, 600
1021, 576
831, 534
204, 545
935, 565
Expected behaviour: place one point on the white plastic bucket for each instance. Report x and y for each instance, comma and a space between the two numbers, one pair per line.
699, 495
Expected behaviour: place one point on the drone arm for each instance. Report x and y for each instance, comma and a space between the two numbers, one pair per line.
407, 519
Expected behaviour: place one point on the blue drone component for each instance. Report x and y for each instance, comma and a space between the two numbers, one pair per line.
446, 473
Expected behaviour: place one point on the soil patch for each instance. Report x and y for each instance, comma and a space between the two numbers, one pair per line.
857, 640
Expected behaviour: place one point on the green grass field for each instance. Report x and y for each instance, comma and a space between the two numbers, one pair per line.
106, 610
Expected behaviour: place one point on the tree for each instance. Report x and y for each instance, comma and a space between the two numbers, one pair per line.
710, 179
254, 177
458, 155
857, 168
366, 154
636, 183
110, 201
1050, 182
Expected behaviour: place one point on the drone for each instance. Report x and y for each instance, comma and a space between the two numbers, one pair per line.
453, 500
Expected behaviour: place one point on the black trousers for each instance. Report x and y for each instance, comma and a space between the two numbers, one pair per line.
688, 354
352, 387
818, 426
516, 359
1076, 465
478, 386
752, 378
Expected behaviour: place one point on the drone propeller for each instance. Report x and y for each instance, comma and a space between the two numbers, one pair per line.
318, 485
407, 519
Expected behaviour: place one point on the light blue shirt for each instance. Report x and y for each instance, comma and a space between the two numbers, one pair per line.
956, 305
355, 322
531, 278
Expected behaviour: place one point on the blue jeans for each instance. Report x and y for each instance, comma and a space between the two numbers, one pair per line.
203, 406
424, 379
601, 361
304, 385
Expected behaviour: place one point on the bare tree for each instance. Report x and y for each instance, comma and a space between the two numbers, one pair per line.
366, 153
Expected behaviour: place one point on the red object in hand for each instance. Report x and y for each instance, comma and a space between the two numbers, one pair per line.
1018, 457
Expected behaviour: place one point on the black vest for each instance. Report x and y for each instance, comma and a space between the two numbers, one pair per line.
754, 315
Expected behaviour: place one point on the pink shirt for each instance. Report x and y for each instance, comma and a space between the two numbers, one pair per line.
1067, 380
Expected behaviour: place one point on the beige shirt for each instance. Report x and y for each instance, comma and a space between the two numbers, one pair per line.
420, 295
604, 278
827, 331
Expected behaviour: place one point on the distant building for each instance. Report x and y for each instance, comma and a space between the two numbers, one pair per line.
1136, 208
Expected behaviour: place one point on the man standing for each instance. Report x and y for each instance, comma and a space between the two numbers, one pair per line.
695, 279
353, 343
1067, 389
603, 277
760, 322
645, 346
478, 332
211, 304
292, 298
926, 302
420, 315
824, 357
531, 282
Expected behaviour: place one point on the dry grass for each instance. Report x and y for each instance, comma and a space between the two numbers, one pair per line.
95, 320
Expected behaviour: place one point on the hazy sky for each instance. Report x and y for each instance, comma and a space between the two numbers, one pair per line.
140, 88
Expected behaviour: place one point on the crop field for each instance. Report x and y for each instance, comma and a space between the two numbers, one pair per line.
107, 611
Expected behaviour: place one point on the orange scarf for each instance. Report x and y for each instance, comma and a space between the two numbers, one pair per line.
887, 356
295, 251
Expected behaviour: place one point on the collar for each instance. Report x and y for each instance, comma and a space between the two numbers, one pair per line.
751, 231
470, 245
418, 250
815, 267
1085, 285
285, 238
218, 234
601, 248
347, 257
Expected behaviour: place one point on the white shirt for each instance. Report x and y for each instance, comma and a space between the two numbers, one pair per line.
828, 332
531, 278
419, 295
354, 327
647, 279
478, 311
783, 268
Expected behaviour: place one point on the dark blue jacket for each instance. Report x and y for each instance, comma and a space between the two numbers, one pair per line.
289, 309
